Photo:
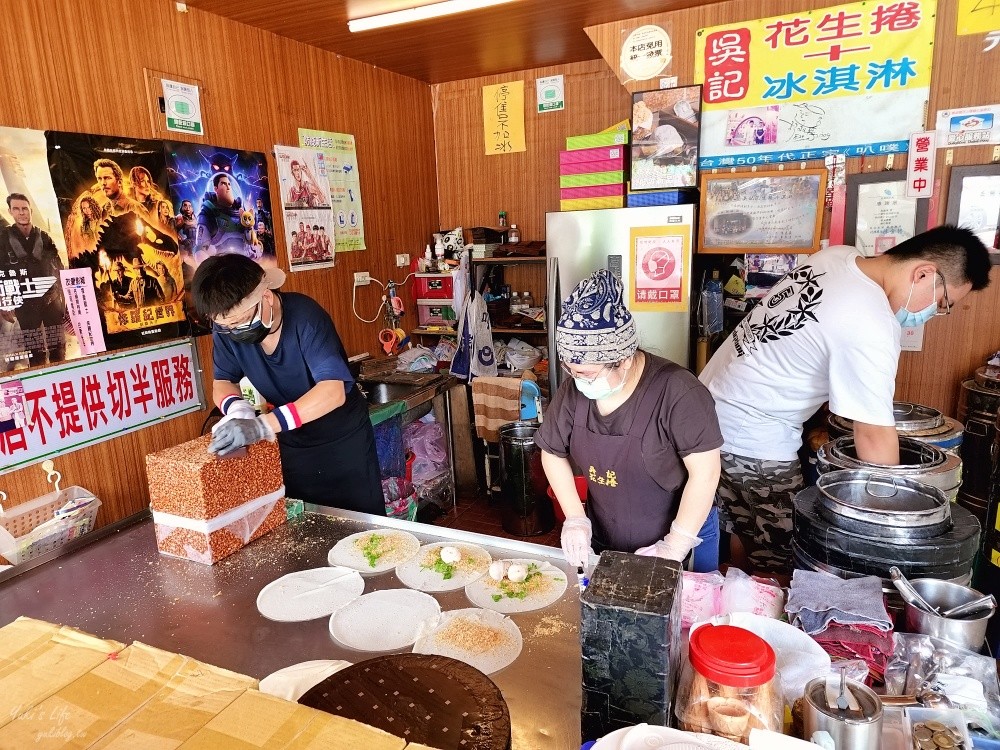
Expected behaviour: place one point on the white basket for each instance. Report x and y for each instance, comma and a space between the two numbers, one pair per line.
20, 539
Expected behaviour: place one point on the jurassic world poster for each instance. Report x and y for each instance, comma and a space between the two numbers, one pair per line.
222, 205
118, 221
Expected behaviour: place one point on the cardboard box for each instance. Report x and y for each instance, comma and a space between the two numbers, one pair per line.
591, 167
592, 191
628, 681
582, 204
594, 140
38, 659
605, 153
610, 177
256, 720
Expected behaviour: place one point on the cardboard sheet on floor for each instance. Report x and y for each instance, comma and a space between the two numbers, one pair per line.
38, 659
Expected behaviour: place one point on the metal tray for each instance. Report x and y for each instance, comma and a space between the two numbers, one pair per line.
920, 461
867, 502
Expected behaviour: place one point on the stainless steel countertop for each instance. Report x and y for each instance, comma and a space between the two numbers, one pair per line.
120, 587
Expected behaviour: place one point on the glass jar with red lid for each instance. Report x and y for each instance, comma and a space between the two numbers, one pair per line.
729, 684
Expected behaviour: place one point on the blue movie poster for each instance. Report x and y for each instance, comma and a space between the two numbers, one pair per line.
222, 205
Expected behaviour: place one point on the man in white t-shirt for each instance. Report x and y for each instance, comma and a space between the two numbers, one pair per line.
829, 331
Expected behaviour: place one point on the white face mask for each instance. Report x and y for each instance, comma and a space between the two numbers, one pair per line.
598, 389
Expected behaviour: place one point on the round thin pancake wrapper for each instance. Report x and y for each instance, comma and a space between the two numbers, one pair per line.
418, 572
309, 594
398, 546
541, 590
481, 638
294, 681
383, 620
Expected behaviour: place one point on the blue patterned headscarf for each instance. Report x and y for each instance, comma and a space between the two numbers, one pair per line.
595, 327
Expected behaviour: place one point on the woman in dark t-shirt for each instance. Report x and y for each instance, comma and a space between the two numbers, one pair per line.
642, 429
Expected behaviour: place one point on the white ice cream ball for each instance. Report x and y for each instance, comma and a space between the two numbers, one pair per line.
498, 569
450, 555
517, 572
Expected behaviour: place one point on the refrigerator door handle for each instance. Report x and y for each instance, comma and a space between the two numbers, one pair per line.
554, 306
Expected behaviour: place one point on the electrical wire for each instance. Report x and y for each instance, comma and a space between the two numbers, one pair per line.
354, 298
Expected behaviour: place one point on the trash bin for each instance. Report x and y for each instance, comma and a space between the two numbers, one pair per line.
526, 509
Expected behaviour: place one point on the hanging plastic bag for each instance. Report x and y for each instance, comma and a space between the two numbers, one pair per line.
428, 443
400, 498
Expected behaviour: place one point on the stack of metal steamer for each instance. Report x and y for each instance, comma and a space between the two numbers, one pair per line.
863, 518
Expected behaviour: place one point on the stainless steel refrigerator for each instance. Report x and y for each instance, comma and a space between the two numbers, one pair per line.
580, 242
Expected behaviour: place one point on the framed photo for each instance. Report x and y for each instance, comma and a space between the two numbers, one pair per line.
878, 214
665, 134
762, 212
974, 202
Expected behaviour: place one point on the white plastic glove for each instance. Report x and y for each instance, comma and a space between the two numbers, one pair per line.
239, 433
576, 535
674, 546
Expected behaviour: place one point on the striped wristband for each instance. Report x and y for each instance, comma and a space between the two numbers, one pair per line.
288, 417
228, 401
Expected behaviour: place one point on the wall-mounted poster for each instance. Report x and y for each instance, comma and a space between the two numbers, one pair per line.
32, 253
119, 222
879, 215
221, 204
762, 211
665, 138
306, 207
345, 185
974, 202
850, 79
659, 277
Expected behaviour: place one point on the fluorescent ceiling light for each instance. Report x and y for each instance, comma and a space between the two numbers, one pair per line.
424, 12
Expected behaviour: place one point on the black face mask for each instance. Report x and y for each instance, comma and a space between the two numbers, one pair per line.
254, 333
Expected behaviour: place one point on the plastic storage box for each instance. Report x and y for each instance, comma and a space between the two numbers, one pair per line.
31, 529
432, 312
433, 285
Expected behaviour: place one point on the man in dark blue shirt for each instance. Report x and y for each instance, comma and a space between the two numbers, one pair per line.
287, 346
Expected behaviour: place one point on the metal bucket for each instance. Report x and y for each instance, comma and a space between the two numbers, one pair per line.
976, 401
945, 433
977, 460
918, 461
526, 509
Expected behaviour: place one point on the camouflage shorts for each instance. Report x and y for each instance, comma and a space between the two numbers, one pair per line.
755, 504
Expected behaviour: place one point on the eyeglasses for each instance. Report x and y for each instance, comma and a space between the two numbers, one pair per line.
239, 328
581, 378
945, 307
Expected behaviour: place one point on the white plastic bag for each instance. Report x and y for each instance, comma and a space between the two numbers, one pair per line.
742, 593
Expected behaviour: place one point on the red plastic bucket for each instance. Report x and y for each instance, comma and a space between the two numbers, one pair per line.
581, 490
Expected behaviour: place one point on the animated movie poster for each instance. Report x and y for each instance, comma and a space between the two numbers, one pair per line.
119, 222
306, 207
33, 316
222, 204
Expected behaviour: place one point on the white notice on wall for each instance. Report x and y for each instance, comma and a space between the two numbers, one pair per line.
912, 339
182, 104
550, 92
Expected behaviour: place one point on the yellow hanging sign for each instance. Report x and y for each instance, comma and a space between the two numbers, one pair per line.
503, 118
978, 17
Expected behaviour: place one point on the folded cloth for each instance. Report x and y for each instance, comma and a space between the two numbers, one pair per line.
866, 642
496, 402
815, 599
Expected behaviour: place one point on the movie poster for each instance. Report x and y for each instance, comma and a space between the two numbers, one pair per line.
33, 317
222, 204
119, 222
306, 207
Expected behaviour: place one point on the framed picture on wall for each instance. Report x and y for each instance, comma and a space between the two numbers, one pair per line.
665, 133
878, 215
974, 202
762, 212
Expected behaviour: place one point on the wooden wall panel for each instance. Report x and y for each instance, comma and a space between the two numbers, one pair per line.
80, 66
472, 186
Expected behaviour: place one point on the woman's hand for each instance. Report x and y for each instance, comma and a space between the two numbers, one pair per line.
577, 533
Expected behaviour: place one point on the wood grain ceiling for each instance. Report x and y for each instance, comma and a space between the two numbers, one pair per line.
516, 36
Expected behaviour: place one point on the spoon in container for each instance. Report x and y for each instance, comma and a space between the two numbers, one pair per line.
910, 594
974, 607
842, 703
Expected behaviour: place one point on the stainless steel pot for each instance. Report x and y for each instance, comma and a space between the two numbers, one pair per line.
968, 633
918, 461
883, 505
858, 727
975, 400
